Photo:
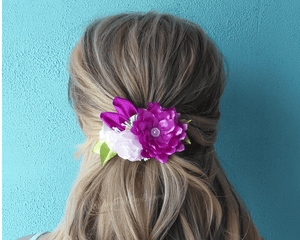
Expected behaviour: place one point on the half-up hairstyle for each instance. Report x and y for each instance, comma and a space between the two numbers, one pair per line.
148, 57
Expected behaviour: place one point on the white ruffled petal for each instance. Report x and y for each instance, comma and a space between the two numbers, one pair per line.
124, 143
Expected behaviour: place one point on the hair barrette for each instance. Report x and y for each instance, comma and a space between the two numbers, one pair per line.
141, 134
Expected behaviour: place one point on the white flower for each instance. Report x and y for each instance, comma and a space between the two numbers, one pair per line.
124, 143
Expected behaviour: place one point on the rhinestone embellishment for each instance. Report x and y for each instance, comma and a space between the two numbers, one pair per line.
155, 132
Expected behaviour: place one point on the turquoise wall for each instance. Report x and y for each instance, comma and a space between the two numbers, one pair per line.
258, 144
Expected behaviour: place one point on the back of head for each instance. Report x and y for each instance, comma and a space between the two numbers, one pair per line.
148, 57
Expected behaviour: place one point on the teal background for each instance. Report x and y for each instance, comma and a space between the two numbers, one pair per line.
258, 144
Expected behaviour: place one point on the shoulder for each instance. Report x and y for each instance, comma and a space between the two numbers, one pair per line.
26, 237
30, 236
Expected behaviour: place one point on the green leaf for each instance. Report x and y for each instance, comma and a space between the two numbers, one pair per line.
96, 148
103, 150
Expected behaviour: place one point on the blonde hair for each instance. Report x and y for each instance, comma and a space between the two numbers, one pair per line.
148, 57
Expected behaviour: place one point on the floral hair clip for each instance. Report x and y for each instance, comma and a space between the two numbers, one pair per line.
133, 134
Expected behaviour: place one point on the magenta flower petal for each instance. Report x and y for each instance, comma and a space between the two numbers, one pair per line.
182, 136
155, 108
163, 158
177, 130
184, 126
170, 151
146, 136
163, 124
177, 116
124, 107
173, 142
151, 153
162, 145
171, 112
135, 130
145, 154
158, 151
163, 115
112, 119
148, 115
141, 112
167, 137
180, 147
125, 110
144, 144
166, 125
160, 139
155, 121
153, 144
143, 126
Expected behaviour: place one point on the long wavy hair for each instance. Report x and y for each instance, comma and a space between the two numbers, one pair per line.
148, 57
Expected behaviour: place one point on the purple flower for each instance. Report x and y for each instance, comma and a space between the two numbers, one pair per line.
159, 131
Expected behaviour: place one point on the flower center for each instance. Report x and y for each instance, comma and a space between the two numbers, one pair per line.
155, 132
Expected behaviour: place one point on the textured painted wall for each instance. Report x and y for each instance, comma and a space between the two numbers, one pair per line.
258, 144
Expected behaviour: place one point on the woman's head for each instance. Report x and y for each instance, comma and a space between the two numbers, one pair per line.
148, 57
